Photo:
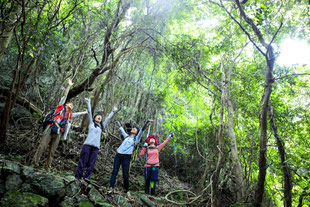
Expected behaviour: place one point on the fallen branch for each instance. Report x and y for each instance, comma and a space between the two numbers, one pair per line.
22, 101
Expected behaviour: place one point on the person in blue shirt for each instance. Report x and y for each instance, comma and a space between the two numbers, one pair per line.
123, 154
91, 145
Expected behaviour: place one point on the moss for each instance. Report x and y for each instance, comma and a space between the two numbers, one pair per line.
85, 204
18, 199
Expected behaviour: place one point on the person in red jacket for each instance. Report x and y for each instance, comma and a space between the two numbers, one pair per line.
151, 150
54, 129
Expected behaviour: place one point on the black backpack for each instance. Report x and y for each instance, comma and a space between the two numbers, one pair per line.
49, 118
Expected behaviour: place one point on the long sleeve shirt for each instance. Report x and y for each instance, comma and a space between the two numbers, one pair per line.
129, 142
94, 133
153, 154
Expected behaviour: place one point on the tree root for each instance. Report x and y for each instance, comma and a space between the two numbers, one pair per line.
187, 191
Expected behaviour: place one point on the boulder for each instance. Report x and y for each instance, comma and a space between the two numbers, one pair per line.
68, 202
29, 172
49, 185
18, 199
95, 196
73, 188
10, 168
26, 187
13, 182
146, 201
121, 201
2, 187
81, 197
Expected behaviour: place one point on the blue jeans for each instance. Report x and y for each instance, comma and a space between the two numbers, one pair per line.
124, 160
87, 160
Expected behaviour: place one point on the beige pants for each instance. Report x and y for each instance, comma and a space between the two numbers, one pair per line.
48, 140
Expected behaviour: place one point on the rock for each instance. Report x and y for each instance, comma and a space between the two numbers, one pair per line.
29, 172
26, 187
85, 204
73, 188
49, 185
18, 199
2, 187
95, 196
68, 202
13, 182
121, 201
82, 197
11, 167
69, 179
146, 201
20, 113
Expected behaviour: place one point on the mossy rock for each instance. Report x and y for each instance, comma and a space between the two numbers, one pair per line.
85, 204
49, 185
2, 187
82, 197
73, 188
10, 168
29, 173
121, 201
26, 199
95, 196
13, 182
68, 202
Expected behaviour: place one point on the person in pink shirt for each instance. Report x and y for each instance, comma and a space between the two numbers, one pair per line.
151, 150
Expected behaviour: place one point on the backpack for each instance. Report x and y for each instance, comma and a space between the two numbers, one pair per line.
56, 128
49, 118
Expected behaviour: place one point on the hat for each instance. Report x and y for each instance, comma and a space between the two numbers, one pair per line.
152, 137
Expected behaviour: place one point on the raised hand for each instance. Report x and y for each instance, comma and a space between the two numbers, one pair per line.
114, 109
70, 82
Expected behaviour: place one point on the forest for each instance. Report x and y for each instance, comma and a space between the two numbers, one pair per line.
227, 81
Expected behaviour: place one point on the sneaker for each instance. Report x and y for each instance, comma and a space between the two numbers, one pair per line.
128, 194
111, 190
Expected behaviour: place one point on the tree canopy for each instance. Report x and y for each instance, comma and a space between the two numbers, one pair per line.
210, 71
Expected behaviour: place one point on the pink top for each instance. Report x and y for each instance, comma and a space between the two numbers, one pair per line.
153, 154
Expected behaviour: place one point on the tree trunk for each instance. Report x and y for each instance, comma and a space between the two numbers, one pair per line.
263, 132
285, 168
8, 105
237, 170
215, 201
7, 28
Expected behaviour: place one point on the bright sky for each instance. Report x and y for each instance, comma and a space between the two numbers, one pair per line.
294, 52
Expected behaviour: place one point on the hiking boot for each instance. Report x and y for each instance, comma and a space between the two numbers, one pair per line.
110, 190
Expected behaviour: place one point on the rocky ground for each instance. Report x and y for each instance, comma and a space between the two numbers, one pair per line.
23, 185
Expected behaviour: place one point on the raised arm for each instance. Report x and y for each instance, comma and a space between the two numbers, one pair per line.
63, 99
121, 129
109, 117
142, 130
165, 142
90, 118
76, 114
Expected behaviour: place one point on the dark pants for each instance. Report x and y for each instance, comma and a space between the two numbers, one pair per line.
150, 176
87, 160
124, 160
147, 186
